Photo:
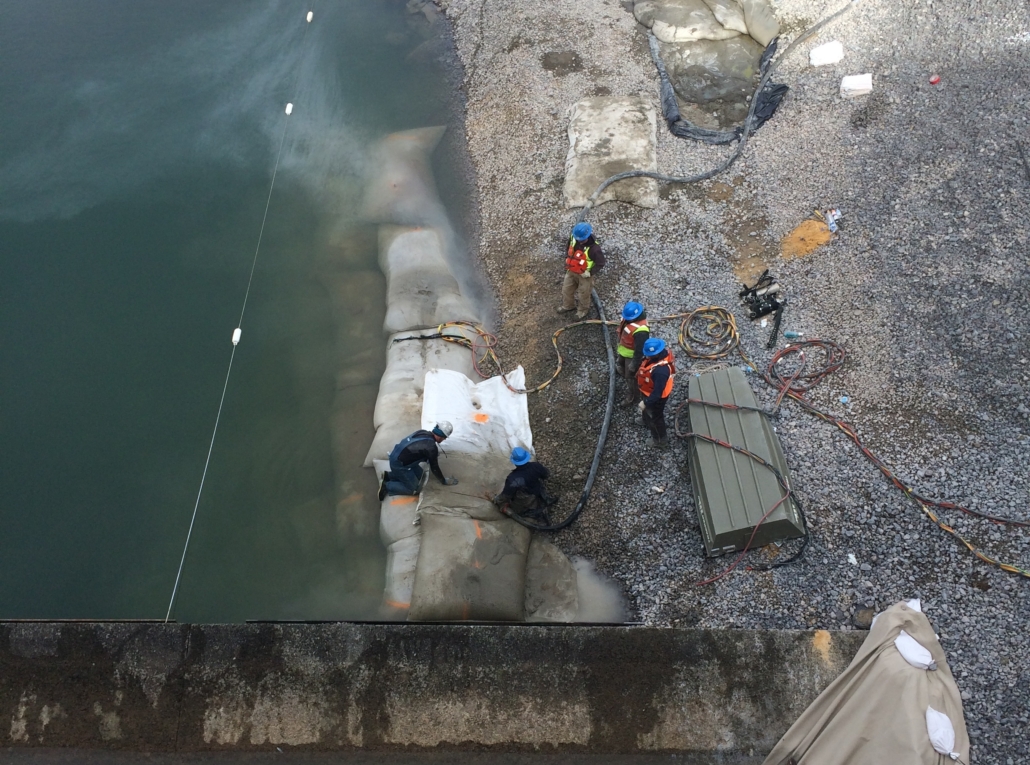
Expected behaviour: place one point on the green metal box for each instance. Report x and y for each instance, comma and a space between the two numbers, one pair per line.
731, 490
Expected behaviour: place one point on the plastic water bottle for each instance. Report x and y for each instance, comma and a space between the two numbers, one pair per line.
792, 335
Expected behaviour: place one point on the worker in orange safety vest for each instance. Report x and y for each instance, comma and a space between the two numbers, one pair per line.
633, 333
654, 380
582, 258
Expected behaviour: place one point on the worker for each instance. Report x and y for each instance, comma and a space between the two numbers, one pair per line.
582, 259
524, 491
654, 379
406, 472
633, 333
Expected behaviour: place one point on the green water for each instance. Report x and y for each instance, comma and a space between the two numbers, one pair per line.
137, 143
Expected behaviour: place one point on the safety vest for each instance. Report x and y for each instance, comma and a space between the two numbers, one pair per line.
578, 260
626, 340
646, 382
418, 435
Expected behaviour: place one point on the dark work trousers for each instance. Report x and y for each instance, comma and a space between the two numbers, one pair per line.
654, 418
404, 479
626, 370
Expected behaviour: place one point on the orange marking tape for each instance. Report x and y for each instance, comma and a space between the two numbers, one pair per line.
479, 531
403, 500
481, 417
352, 498
395, 604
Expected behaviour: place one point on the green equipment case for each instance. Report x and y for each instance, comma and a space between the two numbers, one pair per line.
731, 490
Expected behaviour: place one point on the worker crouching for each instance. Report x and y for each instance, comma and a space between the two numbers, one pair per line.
582, 259
654, 380
406, 473
633, 333
524, 491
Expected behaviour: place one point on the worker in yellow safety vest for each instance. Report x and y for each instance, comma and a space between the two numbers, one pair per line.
654, 379
582, 258
633, 333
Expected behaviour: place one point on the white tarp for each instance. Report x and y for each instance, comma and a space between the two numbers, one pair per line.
610, 135
487, 416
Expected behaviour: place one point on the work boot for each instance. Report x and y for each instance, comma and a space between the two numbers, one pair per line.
638, 420
660, 443
563, 309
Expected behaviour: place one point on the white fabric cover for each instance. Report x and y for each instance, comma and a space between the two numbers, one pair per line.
941, 733
609, 135
487, 417
421, 291
913, 652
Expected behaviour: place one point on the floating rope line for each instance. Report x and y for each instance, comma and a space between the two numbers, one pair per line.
236, 334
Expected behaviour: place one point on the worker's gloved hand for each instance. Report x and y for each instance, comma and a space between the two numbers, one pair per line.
499, 500
586, 274
450, 481
641, 406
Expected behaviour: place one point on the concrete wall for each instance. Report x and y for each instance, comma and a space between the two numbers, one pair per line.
380, 687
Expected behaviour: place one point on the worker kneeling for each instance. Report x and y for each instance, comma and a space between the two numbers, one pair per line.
524, 491
654, 380
406, 472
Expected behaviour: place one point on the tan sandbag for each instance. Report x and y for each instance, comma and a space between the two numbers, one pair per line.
761, 22
729, 14
552, 594
401, 562
609, 135
681, 20
875, 712
421, 291
401, 189
470, 570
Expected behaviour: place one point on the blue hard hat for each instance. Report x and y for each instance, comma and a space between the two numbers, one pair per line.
632, 310
654, 346
519, 456
581, 232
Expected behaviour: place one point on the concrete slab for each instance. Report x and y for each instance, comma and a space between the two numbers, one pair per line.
383, 687
610, 135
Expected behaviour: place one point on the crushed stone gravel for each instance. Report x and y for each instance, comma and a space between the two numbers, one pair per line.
925, 287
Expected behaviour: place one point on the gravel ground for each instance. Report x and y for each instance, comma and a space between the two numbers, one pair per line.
923, 288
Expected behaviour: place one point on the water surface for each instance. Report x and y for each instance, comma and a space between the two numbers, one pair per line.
137, 144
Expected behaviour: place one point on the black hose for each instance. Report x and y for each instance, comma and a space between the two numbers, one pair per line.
609, 408
745, 129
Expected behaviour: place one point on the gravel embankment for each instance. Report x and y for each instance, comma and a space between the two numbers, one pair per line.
926, 288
